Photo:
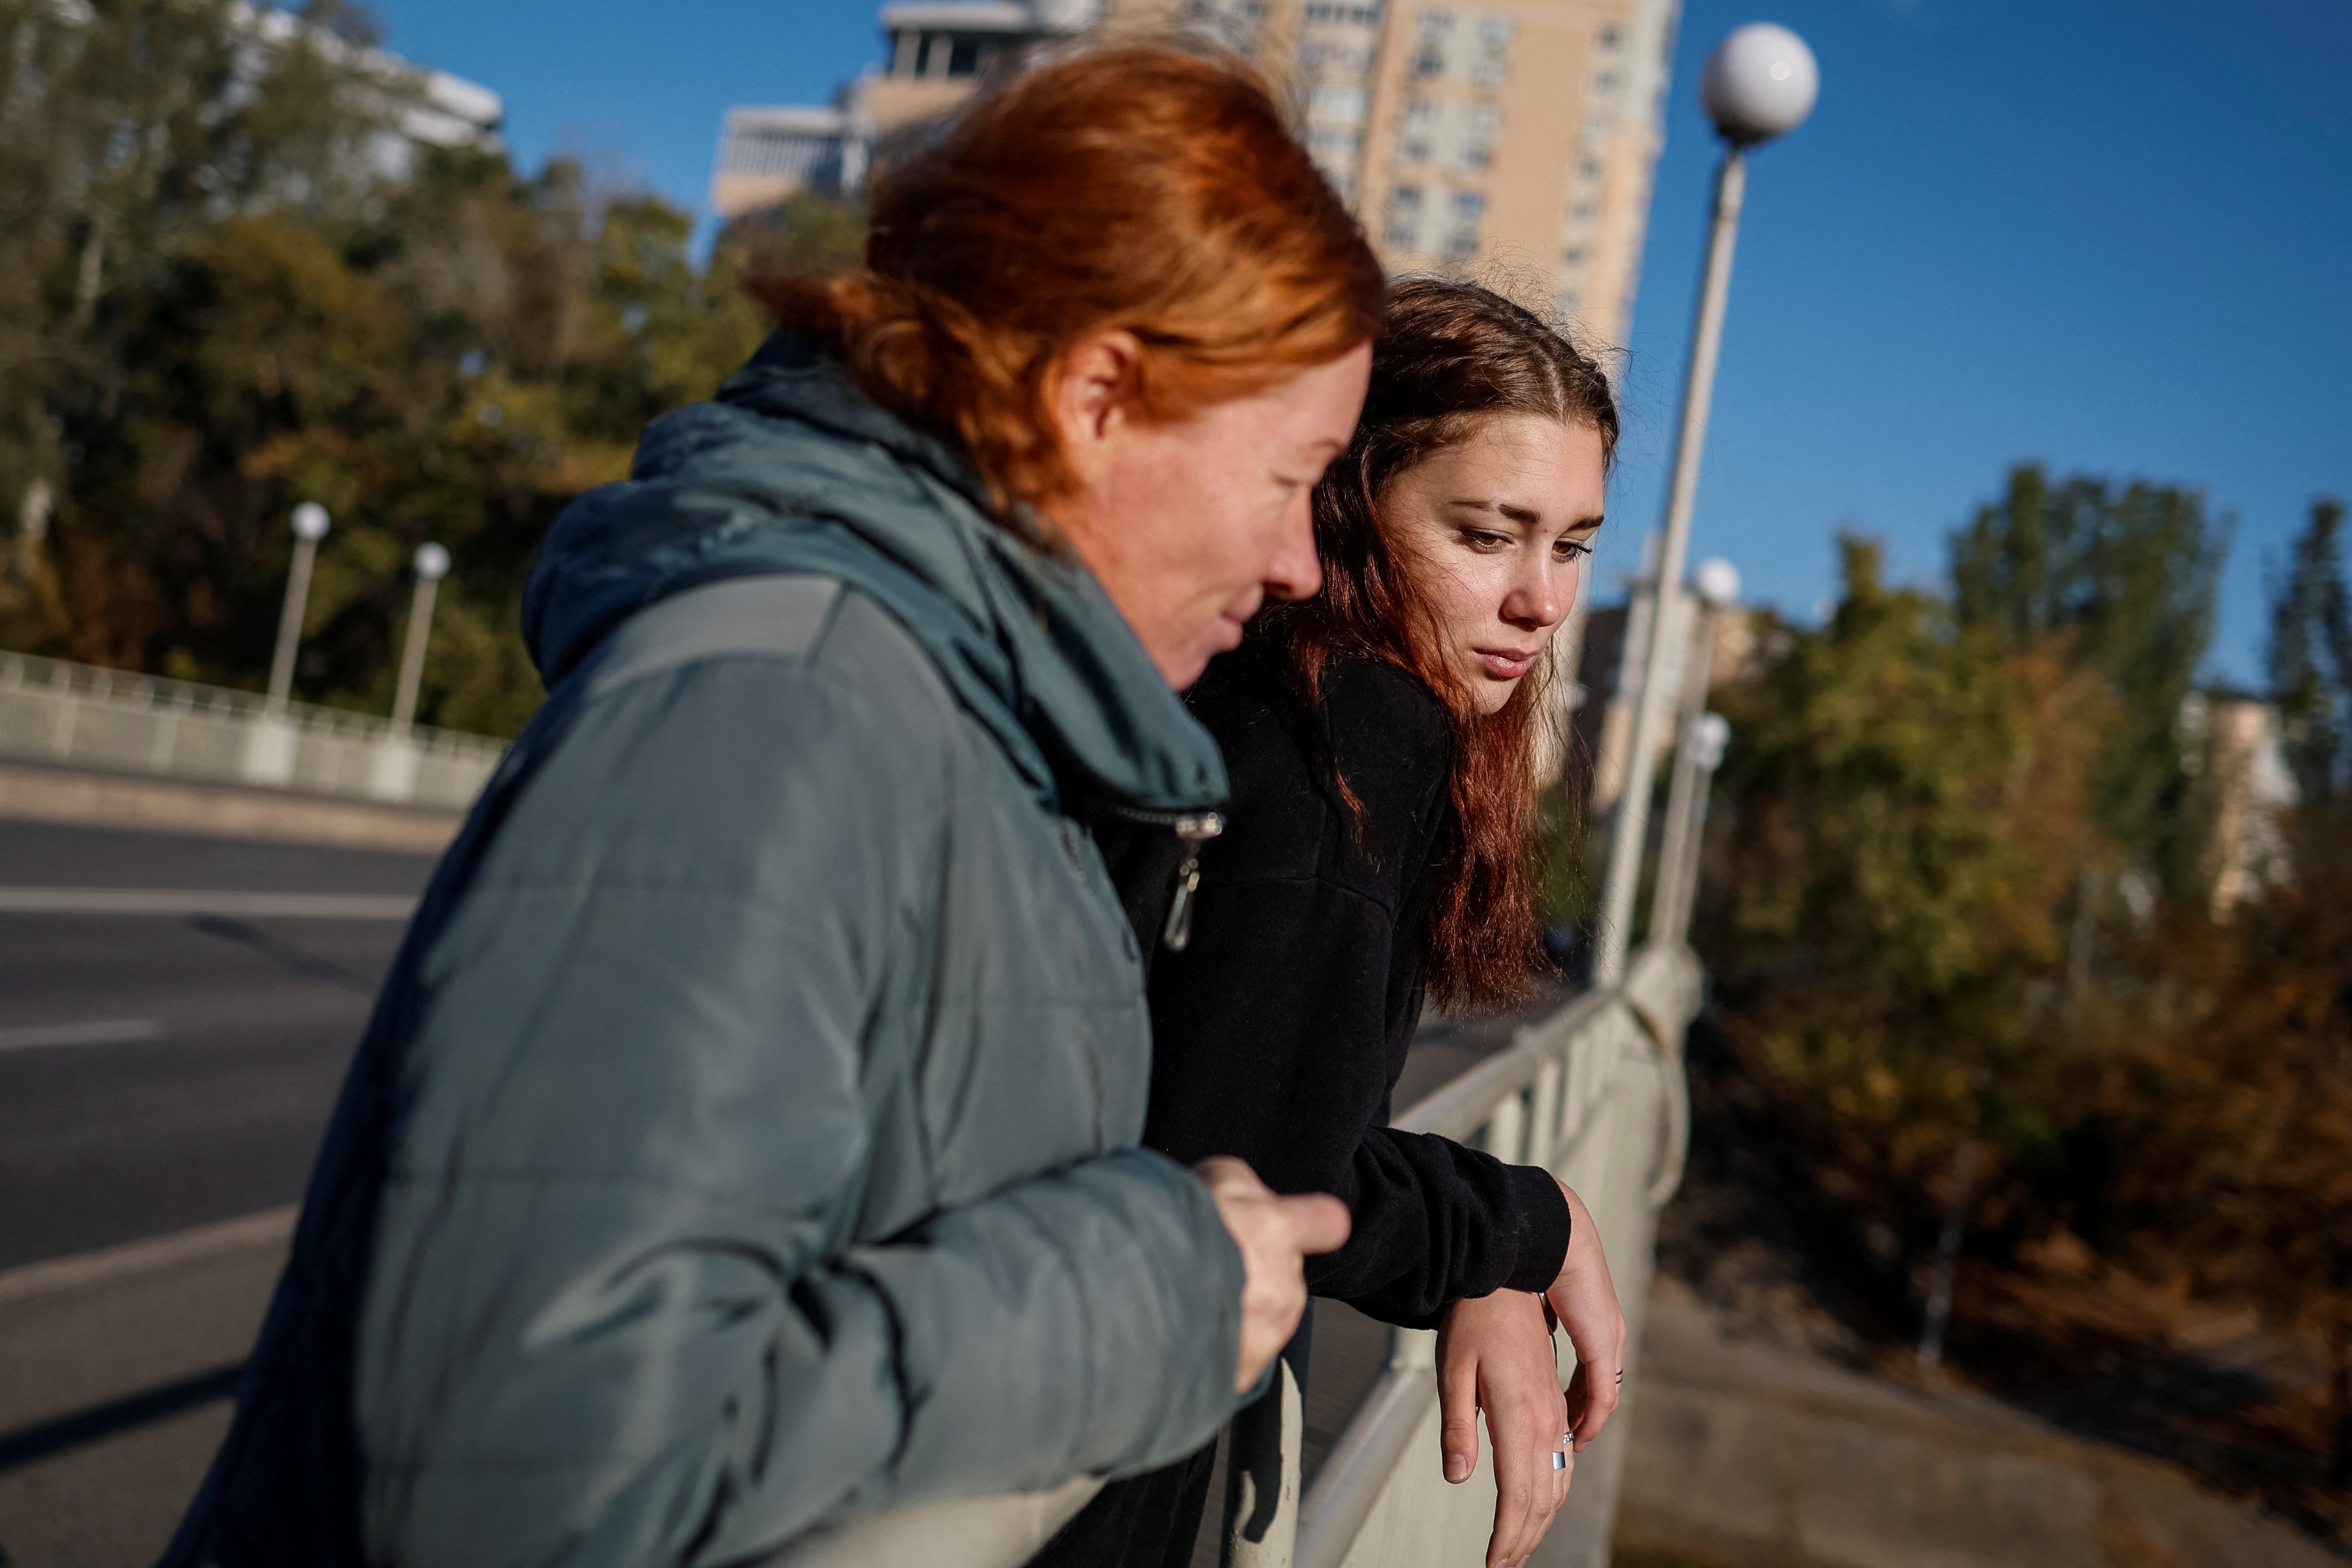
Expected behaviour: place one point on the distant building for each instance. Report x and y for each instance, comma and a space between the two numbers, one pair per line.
2234, 743
421, 107
1514, 139
1600, 706
936, 53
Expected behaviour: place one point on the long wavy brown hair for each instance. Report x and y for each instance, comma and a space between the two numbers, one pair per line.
1447, 356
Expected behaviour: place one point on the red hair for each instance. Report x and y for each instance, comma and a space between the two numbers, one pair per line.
1448, 355
1143, 190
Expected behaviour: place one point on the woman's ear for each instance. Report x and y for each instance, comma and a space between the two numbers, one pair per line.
1092, 387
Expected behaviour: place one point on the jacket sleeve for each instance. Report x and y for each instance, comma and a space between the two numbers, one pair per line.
613, 1315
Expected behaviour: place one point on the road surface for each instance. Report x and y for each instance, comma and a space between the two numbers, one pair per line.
162, 1070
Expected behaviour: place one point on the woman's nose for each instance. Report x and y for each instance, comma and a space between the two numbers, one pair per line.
1541, 596
1296, 571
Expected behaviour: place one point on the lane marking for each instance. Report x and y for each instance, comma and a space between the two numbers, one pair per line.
194, 901
271, 1227
107, 1031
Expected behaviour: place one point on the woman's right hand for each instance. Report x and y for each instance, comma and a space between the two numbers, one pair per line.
1276, 1236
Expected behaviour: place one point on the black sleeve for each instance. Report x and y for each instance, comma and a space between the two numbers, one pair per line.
1280, 1029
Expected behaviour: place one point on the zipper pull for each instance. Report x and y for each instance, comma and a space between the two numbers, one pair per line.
1196, 830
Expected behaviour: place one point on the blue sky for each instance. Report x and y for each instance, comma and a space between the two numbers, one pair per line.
2114, 237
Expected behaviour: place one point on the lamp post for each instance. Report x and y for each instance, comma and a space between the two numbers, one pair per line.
311, 523
1760, 82
1717, 582
432, 565
392, 776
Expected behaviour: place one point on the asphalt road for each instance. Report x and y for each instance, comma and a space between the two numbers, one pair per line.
160, 1071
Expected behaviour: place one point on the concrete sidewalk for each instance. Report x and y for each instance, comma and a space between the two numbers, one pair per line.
116, 1370
31, 793
1751, 1453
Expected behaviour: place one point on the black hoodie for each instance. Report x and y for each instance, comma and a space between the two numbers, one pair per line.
1279, 1032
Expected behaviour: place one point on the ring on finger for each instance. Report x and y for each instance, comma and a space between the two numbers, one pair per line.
1558, 1460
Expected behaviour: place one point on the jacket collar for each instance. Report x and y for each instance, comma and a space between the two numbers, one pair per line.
793, 468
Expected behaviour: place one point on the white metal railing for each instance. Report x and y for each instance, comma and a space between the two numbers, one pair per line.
79, 715
1595, 1094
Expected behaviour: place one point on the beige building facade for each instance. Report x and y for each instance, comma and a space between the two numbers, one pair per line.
1512, 140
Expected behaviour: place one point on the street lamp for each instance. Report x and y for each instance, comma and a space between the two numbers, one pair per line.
311, 523
1695, 757
1760, 82
432, 565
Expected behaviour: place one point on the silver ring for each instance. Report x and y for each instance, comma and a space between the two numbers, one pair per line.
1568, 1439
1558, 1460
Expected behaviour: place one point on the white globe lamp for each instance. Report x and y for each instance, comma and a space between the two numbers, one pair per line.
1718, 582
1760, 82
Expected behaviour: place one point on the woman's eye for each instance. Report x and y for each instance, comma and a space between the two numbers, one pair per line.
1479, 539
1572, 549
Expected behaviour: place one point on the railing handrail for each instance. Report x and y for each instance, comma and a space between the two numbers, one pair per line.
38, 677
1458, 1108
1658, 994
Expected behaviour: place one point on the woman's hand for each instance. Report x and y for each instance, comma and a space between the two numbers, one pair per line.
1276, 1236
1495, 1354
1586, 1302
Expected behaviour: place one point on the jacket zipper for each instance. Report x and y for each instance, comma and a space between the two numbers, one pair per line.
1194, 829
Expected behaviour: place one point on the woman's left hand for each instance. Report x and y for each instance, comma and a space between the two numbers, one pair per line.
1586, 1300
1495, 1354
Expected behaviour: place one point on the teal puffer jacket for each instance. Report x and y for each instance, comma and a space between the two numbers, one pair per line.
745, 1138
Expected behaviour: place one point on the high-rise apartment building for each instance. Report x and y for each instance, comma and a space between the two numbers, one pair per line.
1513, 140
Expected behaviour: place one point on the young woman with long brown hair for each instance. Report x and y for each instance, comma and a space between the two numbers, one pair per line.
1378, 847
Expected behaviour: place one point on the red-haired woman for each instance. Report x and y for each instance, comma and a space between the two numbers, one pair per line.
1378, 847
743, 1147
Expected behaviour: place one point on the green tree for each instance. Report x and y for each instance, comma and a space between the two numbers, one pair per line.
808, 231
1909, 815
2310, 658
2127, 578
247, 311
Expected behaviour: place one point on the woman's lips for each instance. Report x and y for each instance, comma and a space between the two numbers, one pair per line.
1505, 663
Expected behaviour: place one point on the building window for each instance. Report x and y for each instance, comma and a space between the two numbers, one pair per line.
1572, 257
1477, 155
963, 58
1462, 245
1469, 205
1610, 38
1345, 103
